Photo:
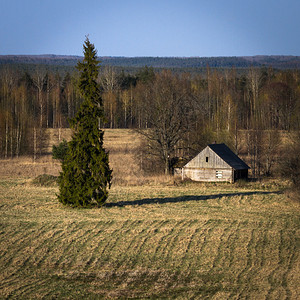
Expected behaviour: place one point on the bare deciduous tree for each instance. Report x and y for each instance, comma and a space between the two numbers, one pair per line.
164, 107
110, 85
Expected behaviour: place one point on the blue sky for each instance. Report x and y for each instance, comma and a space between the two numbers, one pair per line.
151, 27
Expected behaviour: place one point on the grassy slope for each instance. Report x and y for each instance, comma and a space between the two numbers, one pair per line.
192, 240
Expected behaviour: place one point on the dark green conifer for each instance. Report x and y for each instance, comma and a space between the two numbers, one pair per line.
86, 176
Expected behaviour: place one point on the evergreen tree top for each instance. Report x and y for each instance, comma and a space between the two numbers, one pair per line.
89, 70
92, 108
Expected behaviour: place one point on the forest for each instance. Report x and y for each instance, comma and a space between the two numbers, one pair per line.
178, 112
191, 63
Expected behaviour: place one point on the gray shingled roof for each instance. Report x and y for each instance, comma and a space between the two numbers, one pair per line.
228, 156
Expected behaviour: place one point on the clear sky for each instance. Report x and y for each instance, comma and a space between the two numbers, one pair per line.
151, 27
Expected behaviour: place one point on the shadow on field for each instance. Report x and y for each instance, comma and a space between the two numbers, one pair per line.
183, 199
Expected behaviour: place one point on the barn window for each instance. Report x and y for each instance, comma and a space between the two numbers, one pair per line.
219, 174
206, 158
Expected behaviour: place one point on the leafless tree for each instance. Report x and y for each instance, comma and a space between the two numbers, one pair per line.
164, 107
110, 86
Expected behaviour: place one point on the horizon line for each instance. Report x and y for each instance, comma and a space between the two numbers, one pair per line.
147, 56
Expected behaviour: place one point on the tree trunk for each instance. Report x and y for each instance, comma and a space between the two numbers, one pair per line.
19, 137
11, 141
6, 138
111, 115
34, 144
167, 166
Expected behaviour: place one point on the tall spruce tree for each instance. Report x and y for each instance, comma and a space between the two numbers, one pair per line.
86, 176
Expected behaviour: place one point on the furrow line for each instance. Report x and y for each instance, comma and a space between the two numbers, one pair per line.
222, 251
234, 237
104, 233
86, 248
272, 276
143, 248
20, 236
175, 241
160, 242
32, 251
11, 281
48, 243
114, 251
190, 251
241, 278
134, 246
254, 273
145, 235
109, 239
207, 246
148, 247
291, 260
92, 250
98, 242
191, 239
52, 260
63, 245
18, 248
25, 290
238, 255
47, 248
171, 238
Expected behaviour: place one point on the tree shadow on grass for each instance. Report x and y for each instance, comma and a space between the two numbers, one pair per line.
185, 198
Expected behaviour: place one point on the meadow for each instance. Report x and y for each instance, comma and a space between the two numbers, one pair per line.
156, 239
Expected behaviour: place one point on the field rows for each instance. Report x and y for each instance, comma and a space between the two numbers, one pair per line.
150, 242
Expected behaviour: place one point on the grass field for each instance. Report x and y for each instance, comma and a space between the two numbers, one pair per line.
154, 238
186, 241
122, 144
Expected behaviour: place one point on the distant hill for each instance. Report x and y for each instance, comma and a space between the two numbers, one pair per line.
279, 62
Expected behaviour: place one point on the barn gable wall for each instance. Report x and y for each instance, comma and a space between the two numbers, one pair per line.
214, 163
207, 159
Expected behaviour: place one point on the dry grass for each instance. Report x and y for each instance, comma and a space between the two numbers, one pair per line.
25, 167
125, 158
157, 241
122, 144
155, 238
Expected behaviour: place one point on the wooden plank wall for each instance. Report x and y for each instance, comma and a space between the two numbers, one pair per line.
214, 161
208, 175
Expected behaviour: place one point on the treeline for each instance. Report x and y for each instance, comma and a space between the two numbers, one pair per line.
274, 61
280, 62
180, 112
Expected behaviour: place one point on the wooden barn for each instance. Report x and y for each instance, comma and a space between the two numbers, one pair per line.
214, 163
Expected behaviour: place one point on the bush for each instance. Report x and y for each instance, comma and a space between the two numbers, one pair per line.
290, 163
45, 180
60, 151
